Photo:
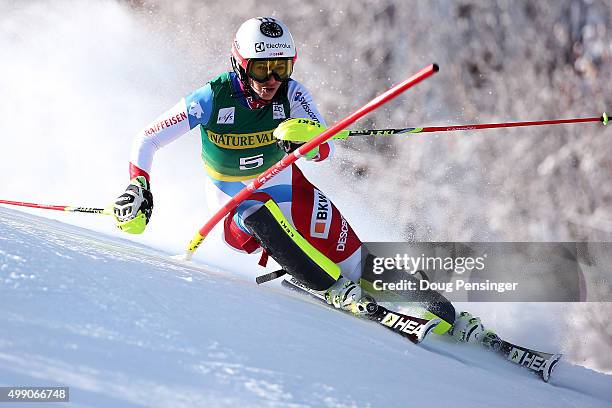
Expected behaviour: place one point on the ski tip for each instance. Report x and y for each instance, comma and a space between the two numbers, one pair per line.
427, 329
604, 118
436, 67
550, 366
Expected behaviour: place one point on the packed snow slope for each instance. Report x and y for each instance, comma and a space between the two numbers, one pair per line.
123, 326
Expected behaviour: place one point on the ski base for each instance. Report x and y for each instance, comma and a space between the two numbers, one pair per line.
413, 328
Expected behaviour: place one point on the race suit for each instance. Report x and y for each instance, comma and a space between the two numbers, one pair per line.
237, 146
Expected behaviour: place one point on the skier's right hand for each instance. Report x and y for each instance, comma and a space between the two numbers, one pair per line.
133, 208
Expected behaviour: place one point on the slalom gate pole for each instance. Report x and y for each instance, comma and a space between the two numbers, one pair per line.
89, 210
305, 148
387, 132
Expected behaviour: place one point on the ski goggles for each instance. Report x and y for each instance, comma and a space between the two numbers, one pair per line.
262, 70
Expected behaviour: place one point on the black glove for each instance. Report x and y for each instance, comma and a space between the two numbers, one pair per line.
288, 146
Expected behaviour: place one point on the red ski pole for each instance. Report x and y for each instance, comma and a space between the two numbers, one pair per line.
450, 128
67, 208
289, 159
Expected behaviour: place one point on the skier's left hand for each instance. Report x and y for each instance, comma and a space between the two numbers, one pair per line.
292, 133
289, 147
298, 130
301, 130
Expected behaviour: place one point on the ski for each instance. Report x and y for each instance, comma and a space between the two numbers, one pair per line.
536, 361
411, 327
416, 329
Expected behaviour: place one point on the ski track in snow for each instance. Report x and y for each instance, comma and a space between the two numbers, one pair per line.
125, 326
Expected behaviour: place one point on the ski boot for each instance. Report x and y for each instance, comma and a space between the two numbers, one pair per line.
469, 329
466, 328
489, 339
347, 295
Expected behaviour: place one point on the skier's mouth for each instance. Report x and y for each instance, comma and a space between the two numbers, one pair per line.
266, 90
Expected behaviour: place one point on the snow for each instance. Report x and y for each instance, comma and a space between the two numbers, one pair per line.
124, 325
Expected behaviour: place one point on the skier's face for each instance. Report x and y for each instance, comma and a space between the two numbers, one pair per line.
265, 90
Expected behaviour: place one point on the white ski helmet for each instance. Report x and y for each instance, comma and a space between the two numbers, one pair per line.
261, 38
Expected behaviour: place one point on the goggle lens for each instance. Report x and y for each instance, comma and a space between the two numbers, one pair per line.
261, 70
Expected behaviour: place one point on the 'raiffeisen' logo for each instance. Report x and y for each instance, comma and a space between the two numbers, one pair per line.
243, 140
321, 218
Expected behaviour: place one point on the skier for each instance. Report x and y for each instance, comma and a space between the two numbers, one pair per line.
291, 219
